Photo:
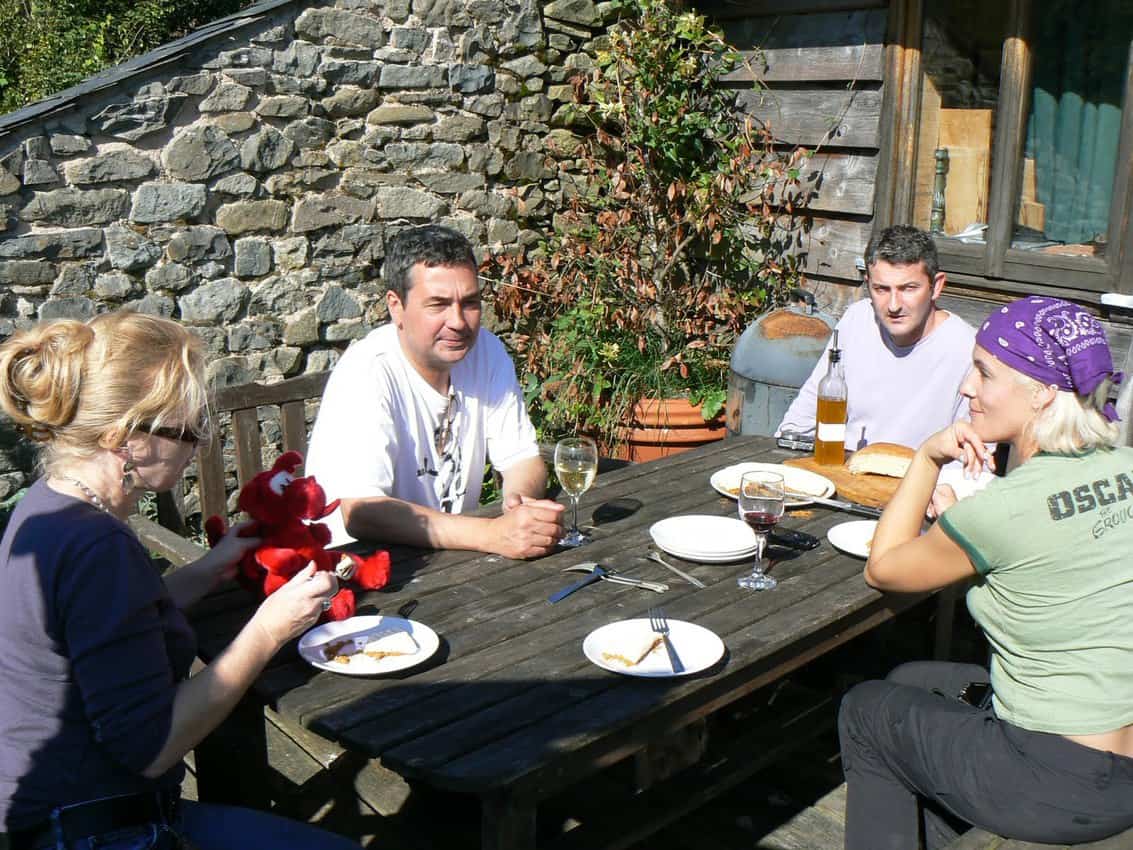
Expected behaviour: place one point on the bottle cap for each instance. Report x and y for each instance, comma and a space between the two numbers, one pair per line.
835, 351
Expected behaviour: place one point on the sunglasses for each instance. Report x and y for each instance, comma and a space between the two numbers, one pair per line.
170, 433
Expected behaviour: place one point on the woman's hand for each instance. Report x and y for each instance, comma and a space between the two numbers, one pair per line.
222, 559
296, 606
943, 497
959, 441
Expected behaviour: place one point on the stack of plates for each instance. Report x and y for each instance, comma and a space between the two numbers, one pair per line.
708, 539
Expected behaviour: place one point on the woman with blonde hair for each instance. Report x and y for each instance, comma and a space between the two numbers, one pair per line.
97, 708
1041, 747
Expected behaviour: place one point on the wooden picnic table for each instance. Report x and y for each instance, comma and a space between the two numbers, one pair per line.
509, 709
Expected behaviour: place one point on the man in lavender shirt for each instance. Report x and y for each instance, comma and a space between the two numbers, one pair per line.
904, 357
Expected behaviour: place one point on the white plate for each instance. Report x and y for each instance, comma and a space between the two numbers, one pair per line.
701, 537
853, 538
696, 647
312, 643
726, 481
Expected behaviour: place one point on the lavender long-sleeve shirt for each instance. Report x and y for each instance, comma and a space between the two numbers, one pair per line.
91, 651
895, 395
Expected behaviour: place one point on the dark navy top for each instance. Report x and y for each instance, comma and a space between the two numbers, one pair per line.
91, 651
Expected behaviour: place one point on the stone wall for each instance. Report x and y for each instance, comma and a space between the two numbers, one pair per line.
246, 186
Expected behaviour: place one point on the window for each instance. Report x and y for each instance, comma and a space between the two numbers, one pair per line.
1023, 144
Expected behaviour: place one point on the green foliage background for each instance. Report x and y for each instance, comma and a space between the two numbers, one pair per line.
50, 45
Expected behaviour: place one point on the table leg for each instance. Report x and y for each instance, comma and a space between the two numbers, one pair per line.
507, 822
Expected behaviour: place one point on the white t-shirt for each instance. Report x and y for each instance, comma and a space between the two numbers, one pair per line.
375, 434
895, 395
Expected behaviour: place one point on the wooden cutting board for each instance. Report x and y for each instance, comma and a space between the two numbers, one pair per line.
872, 490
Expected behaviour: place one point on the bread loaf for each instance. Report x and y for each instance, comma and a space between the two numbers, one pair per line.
881, 459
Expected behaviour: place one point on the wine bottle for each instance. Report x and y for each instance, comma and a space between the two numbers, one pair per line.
830, 429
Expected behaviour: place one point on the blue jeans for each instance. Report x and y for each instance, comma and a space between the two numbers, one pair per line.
209, 826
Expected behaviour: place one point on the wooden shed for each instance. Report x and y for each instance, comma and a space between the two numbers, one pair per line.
1019, 105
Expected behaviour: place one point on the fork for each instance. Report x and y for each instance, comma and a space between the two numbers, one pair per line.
659, 623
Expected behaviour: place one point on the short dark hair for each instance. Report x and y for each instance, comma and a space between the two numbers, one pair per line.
433, 245
903, 245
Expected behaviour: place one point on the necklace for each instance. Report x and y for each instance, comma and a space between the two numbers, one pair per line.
92, 496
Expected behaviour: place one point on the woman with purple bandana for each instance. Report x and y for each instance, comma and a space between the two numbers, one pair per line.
1045, 753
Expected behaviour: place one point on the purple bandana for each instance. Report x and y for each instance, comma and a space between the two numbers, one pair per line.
1055, 342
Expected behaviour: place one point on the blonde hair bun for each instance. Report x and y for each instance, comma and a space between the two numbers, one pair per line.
41, 372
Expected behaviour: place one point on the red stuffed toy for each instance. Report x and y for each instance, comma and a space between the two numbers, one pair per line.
279, 503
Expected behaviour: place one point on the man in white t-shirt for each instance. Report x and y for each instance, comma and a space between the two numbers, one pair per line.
412, 411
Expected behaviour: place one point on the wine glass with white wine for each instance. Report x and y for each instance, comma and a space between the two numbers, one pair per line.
576, 464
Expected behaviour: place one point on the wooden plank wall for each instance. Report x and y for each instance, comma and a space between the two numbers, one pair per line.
822, 65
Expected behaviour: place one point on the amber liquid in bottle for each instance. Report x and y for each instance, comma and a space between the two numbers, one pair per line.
832, 414
830, 427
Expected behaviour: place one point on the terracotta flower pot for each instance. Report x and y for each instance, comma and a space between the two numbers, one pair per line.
661, 427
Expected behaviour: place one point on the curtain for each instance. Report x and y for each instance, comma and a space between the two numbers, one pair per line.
1081, 51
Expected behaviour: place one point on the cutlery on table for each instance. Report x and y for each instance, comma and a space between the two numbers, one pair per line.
659, 623
597, 573
849, 507
693, 580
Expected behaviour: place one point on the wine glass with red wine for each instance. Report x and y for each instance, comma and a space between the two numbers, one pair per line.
760, 504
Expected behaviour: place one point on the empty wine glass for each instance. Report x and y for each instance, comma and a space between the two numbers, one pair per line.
576, 463
760, 503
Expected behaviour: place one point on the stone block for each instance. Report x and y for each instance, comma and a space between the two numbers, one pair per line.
396, 113
523, 29
114, 286
253, 335
266, 150
290, 254
157, 202
362, 242
337, 304
309, 132
211, 270
278, 296
230, 372
302, 328
81, 309
243, 216
26, 272
342, 26
226, 97
236, 184
501, 231
581, 12
215, 301
54, 245
253, 257
317, 211
299, 181
251, 77
194, 244
76, 207
450, 182
345, 153
525, 66
273, 35
241, 57
74, 279
442, 13
198, 153
339, 72
349, 101
414, 39
346, 331
231, 122
66, 144
321, 360
298, 59
284, 361
487, 203
283, 106
411, 77
470, 78
122, 164
400, 202
441, 156
171, 276
131, 121
127, 250
459, 128
486, 105
39, 172
194, 84
153, 304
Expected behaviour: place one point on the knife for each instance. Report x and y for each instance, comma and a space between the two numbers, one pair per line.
571, 588
850, 507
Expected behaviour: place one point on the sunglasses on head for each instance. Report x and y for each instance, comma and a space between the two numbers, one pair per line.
170, 432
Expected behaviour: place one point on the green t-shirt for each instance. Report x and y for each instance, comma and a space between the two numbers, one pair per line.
1053, 544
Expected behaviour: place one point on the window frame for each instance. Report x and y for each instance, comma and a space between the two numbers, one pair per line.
995, 265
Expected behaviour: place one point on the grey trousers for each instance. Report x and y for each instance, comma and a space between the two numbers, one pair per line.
921, 764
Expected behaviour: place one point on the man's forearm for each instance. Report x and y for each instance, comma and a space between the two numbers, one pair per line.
387, 520
526, 478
